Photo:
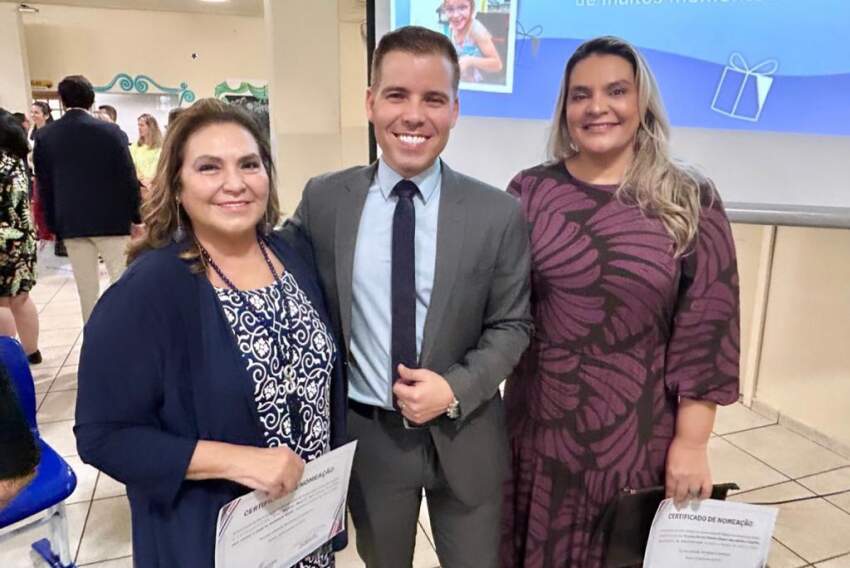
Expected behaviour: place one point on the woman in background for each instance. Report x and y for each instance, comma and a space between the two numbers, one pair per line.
41, 117
209, 368
146, 151
18, 314
474, 44
635, 301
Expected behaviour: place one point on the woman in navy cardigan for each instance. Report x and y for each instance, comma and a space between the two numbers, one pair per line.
209, 368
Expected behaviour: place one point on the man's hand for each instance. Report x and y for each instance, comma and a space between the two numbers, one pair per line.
422, 394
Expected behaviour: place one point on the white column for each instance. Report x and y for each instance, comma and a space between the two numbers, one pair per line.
15, 94
317, 76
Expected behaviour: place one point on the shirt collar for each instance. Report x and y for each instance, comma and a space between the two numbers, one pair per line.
427, 181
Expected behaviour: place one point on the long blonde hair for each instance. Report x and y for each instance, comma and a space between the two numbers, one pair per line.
161, 212
154, 137
661, 186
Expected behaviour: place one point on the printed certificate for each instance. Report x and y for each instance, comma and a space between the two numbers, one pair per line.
256, 532
716, 534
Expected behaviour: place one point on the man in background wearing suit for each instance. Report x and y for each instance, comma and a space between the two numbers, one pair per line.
109, 112
88, 184
426, 273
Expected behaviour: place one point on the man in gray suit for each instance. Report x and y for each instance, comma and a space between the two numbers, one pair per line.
426, 273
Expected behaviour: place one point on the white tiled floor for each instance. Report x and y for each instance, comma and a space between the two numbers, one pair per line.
761, 456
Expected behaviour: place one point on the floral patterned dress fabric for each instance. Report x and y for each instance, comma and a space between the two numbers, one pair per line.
289, 354
17, 232
622, 329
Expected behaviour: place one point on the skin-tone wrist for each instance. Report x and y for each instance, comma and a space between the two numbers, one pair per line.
220, 460
215, 460
688, 474
275, 471
694, 422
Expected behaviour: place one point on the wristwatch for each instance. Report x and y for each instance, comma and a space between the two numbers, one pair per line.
453, 411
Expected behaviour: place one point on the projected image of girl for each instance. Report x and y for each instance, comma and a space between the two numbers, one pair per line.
635, 305
472, 40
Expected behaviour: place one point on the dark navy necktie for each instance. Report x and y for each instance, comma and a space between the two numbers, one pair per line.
403, 343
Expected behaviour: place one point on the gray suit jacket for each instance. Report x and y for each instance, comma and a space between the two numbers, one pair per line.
478, 322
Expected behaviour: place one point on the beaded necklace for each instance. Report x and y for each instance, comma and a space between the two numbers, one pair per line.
290, 355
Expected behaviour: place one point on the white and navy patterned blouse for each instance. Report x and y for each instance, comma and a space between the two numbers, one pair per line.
289, 354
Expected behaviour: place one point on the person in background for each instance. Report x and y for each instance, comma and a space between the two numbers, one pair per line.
25, 123
210, 368
108, 113
41, 115
23, 119
89, 188
146, 150
636, 316
19, 453
18, 314
472, 40
173, 114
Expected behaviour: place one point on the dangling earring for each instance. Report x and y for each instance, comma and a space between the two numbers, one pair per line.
573, 148
179, 233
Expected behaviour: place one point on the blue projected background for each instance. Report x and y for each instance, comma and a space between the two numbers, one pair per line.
765, 65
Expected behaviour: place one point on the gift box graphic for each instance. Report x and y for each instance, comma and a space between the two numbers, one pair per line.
532, 35
742, 90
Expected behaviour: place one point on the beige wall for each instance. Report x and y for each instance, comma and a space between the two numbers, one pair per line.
805, 363
317, 94
795, 327
353, 82
100, 43
748, 240
14, 88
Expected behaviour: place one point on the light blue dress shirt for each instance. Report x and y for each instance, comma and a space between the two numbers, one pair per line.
370, 373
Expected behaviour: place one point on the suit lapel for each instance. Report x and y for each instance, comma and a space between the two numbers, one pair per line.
348, 211
450, 235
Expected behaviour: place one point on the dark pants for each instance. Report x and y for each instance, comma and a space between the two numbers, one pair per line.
392, 467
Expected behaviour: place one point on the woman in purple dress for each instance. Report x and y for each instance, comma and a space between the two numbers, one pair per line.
635, 300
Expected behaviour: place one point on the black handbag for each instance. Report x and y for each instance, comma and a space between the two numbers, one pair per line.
626, 521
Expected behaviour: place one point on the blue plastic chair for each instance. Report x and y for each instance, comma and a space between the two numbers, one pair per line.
54, 480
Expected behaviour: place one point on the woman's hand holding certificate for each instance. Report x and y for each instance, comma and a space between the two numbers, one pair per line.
274, 471
260, 530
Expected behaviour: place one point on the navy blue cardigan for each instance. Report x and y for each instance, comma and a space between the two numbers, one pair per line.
160, 370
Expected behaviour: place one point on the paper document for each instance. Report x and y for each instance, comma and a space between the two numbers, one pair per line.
256, 532
716, 534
